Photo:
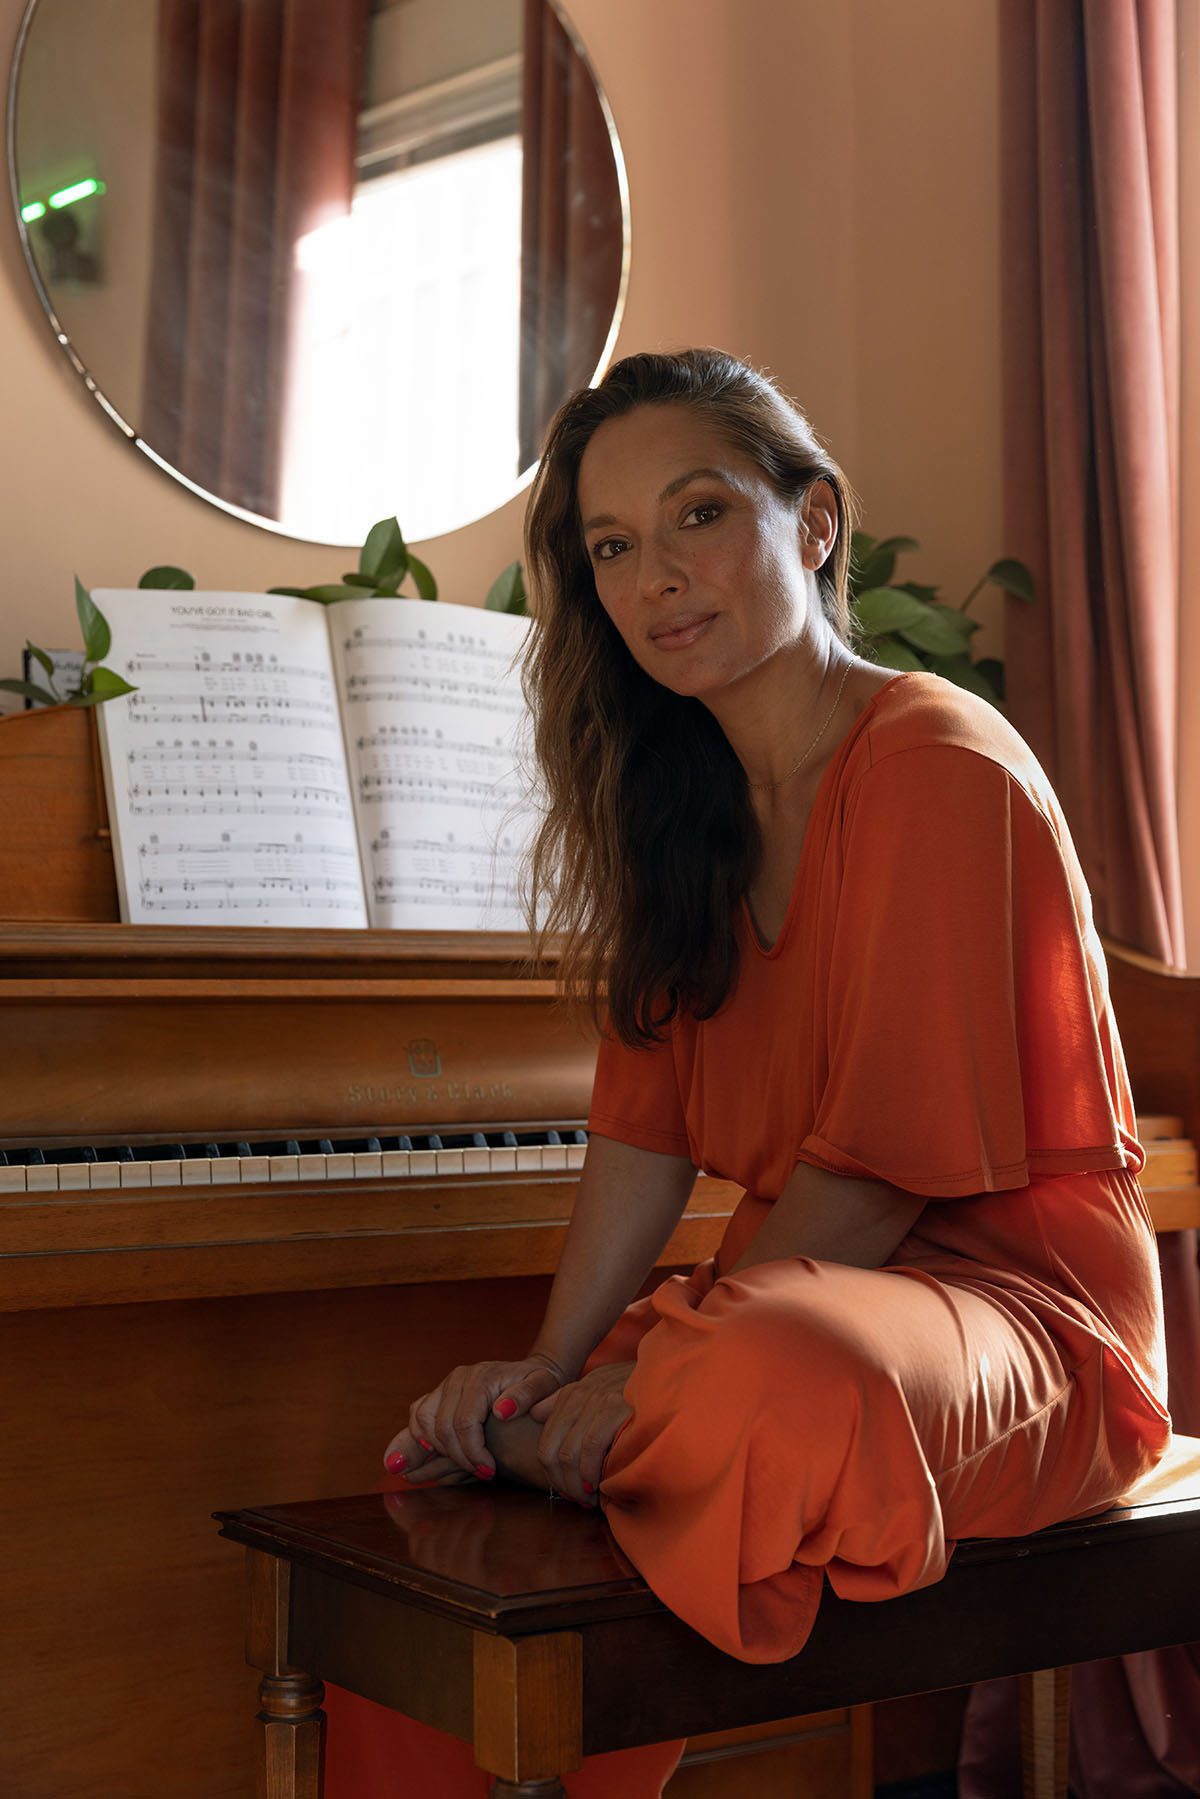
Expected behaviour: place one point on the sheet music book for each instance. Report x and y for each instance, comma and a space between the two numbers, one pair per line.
288, 763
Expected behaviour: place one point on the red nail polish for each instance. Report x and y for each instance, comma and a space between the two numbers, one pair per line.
424, 1444
485, 1473
396, 1464
505, 1408
588, 1487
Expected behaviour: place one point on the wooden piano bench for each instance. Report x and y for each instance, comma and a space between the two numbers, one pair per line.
513, 1621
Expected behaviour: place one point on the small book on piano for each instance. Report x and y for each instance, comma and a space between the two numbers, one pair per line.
288, 763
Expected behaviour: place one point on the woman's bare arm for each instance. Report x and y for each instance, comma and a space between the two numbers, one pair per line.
833, 1218
627, 1203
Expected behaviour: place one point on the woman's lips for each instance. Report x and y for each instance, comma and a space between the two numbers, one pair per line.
680, 636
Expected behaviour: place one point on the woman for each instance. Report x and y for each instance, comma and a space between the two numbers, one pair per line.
849, 962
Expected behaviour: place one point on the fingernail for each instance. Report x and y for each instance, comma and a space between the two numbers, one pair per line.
505, 1408
395, 1464
424, 1444
588, 1487
485, 1473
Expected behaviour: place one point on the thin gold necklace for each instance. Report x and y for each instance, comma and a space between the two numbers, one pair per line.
797, 766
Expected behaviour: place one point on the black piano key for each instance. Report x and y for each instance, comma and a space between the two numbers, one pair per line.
374, 1146
553, 1137
242, 1149
433, 1141
404, 1143
35, 1158
122, 1153
579, 1137
291, 1147
211, 1151
325, 1147
478, 1140
508, 1140
89, 1154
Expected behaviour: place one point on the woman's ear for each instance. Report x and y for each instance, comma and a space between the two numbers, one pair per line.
818, 523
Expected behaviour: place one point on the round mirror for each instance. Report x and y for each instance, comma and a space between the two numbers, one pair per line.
322, 260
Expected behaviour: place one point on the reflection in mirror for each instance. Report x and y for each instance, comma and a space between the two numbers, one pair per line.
325, 260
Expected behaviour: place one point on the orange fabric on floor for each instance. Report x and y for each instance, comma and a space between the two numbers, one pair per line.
933, 1014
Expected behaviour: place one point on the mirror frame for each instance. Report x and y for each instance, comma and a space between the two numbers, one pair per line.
130, 433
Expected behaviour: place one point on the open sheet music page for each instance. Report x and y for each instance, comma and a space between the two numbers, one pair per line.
433, 712
226, 773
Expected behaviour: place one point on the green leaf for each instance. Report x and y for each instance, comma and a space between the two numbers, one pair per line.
31, 692
387, 590
354, 579
876, 568
423, 579
919, 591
883, 609
889, 652
101, 684
45, 660
1013, 576
964, 673
507, 592
297, 593
942, 631
165, 576
97, 638
331, 591
992, 669
384, 552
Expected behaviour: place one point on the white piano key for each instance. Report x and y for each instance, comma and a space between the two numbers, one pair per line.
477, 1161
72, 1176
225, 1170
165, 1173
368, 1164
504, 1161
529, 1158
449, 1161
576, 1152
424, 1161
397, 1163
254, 1168
105, 1176
12, 1180
134, 1174
312, 1167
554, 1156
196, 1172
41, 1177
340, 1165
285, 1168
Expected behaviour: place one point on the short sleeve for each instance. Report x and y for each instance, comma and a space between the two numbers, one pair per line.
635, 1097
967, 1043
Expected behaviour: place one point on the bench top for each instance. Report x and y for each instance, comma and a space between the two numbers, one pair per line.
511, 1560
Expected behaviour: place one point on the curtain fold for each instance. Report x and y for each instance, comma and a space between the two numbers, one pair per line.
1091, 353
572, 226
257, 127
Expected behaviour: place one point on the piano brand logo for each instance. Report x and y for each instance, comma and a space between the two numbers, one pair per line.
423, 1059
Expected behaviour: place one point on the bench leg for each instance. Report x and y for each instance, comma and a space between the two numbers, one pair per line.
291, 1732
1045, 1732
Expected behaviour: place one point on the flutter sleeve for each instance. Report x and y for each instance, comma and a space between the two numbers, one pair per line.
636, 1099
967, 1042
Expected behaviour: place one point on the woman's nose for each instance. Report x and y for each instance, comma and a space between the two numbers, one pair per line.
659, 575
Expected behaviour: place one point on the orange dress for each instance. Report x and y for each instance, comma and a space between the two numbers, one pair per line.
934, 1014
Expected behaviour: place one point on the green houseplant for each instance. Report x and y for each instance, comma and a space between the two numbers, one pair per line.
904, 625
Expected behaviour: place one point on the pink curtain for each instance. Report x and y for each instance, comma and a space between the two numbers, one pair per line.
1090, 255
257, 129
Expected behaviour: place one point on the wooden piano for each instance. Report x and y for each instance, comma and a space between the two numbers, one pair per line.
258, 1189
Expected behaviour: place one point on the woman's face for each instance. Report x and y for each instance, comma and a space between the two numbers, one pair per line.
698, 562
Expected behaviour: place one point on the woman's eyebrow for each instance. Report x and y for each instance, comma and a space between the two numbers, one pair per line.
668, 492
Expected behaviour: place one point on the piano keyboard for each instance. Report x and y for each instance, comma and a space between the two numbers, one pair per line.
90, 1169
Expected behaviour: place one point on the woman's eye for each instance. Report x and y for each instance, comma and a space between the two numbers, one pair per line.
607, 548
705, 513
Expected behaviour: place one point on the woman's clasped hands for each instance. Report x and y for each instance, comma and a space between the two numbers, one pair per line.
443, 1443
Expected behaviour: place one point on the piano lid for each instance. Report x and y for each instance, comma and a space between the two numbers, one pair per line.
147, 1030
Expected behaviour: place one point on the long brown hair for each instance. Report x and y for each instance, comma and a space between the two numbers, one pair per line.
648, 840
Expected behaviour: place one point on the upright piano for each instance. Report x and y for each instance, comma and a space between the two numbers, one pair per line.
258, 1190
